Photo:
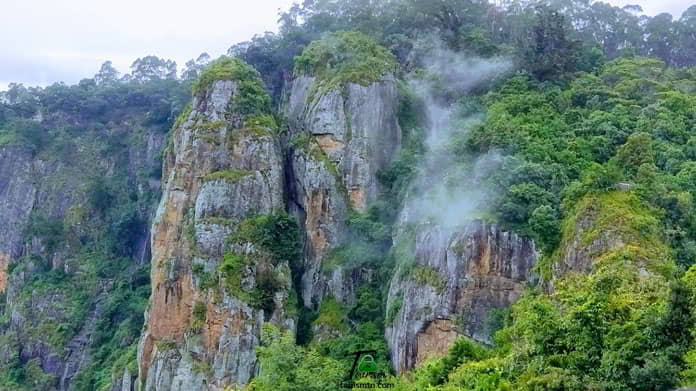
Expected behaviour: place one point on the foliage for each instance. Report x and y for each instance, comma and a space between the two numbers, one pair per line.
331, 314
562, 142
287, 367
228, 175
346, 56
252, 98
22, 132
394, 309
277, 233
426, 275
236, 267
550, 55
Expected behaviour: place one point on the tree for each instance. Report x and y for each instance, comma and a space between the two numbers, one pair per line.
637, 151
546, 227
153, 68
194, 67
550, 54
685, 53
660, 37
286, 366
107, 74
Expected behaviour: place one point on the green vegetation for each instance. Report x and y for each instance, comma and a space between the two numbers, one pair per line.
561, 142
227, 175
426, 275
198, 321
236, 267
252, 98
185, 113
22, 132
291, 367
394, 309
596, 144
346, 56
277, 233
332, 314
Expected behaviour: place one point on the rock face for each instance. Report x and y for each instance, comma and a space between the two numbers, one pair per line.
456, 278
219, 171
340, 139
577, 255
51, 185
17, 194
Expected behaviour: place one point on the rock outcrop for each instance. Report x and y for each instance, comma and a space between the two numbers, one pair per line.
45, 222
340, 139
451, 285
602, 228
221, 169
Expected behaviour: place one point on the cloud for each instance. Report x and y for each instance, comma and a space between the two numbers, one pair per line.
45, 41
447, 190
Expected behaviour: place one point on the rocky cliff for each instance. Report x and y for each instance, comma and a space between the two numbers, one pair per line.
341, 138
54, 231
250, 217
225, 170
450, 285
224, 167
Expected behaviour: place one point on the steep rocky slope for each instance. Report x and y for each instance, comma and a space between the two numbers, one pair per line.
453, 281
341, 138
223, 167
55, 232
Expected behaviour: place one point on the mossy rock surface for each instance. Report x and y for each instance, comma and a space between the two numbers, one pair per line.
622, 216
228, 175
252, 99
343, 57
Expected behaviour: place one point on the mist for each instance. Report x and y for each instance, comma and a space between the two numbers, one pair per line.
447, 190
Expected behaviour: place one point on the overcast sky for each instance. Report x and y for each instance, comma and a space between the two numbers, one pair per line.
44, 41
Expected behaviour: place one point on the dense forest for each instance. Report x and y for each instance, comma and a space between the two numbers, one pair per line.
574, 121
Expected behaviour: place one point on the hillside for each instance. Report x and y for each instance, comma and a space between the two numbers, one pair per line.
484, 197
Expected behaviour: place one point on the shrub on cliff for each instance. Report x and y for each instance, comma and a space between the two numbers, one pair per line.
252, 98
346, 56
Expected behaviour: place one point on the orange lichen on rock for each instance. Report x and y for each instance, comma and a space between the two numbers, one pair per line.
4, 266
328, 143
172, 303
357, 198
318, 211
435, 340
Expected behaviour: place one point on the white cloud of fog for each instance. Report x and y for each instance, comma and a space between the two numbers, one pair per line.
44, 41
444, 192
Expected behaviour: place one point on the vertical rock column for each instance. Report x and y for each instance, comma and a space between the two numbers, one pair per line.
221, 168
449, 288
340, 137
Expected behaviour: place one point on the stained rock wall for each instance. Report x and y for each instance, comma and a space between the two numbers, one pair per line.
51, 185
220, 169
340, 139
449, 288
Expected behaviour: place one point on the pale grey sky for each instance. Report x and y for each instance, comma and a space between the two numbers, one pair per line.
44, 41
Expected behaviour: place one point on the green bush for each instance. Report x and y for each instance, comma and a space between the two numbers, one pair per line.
236, 266
50, 231
346, 56
228, 175
426, 275
23, 132
252, 98
394, 309
332, 314
198, 321
277, 233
